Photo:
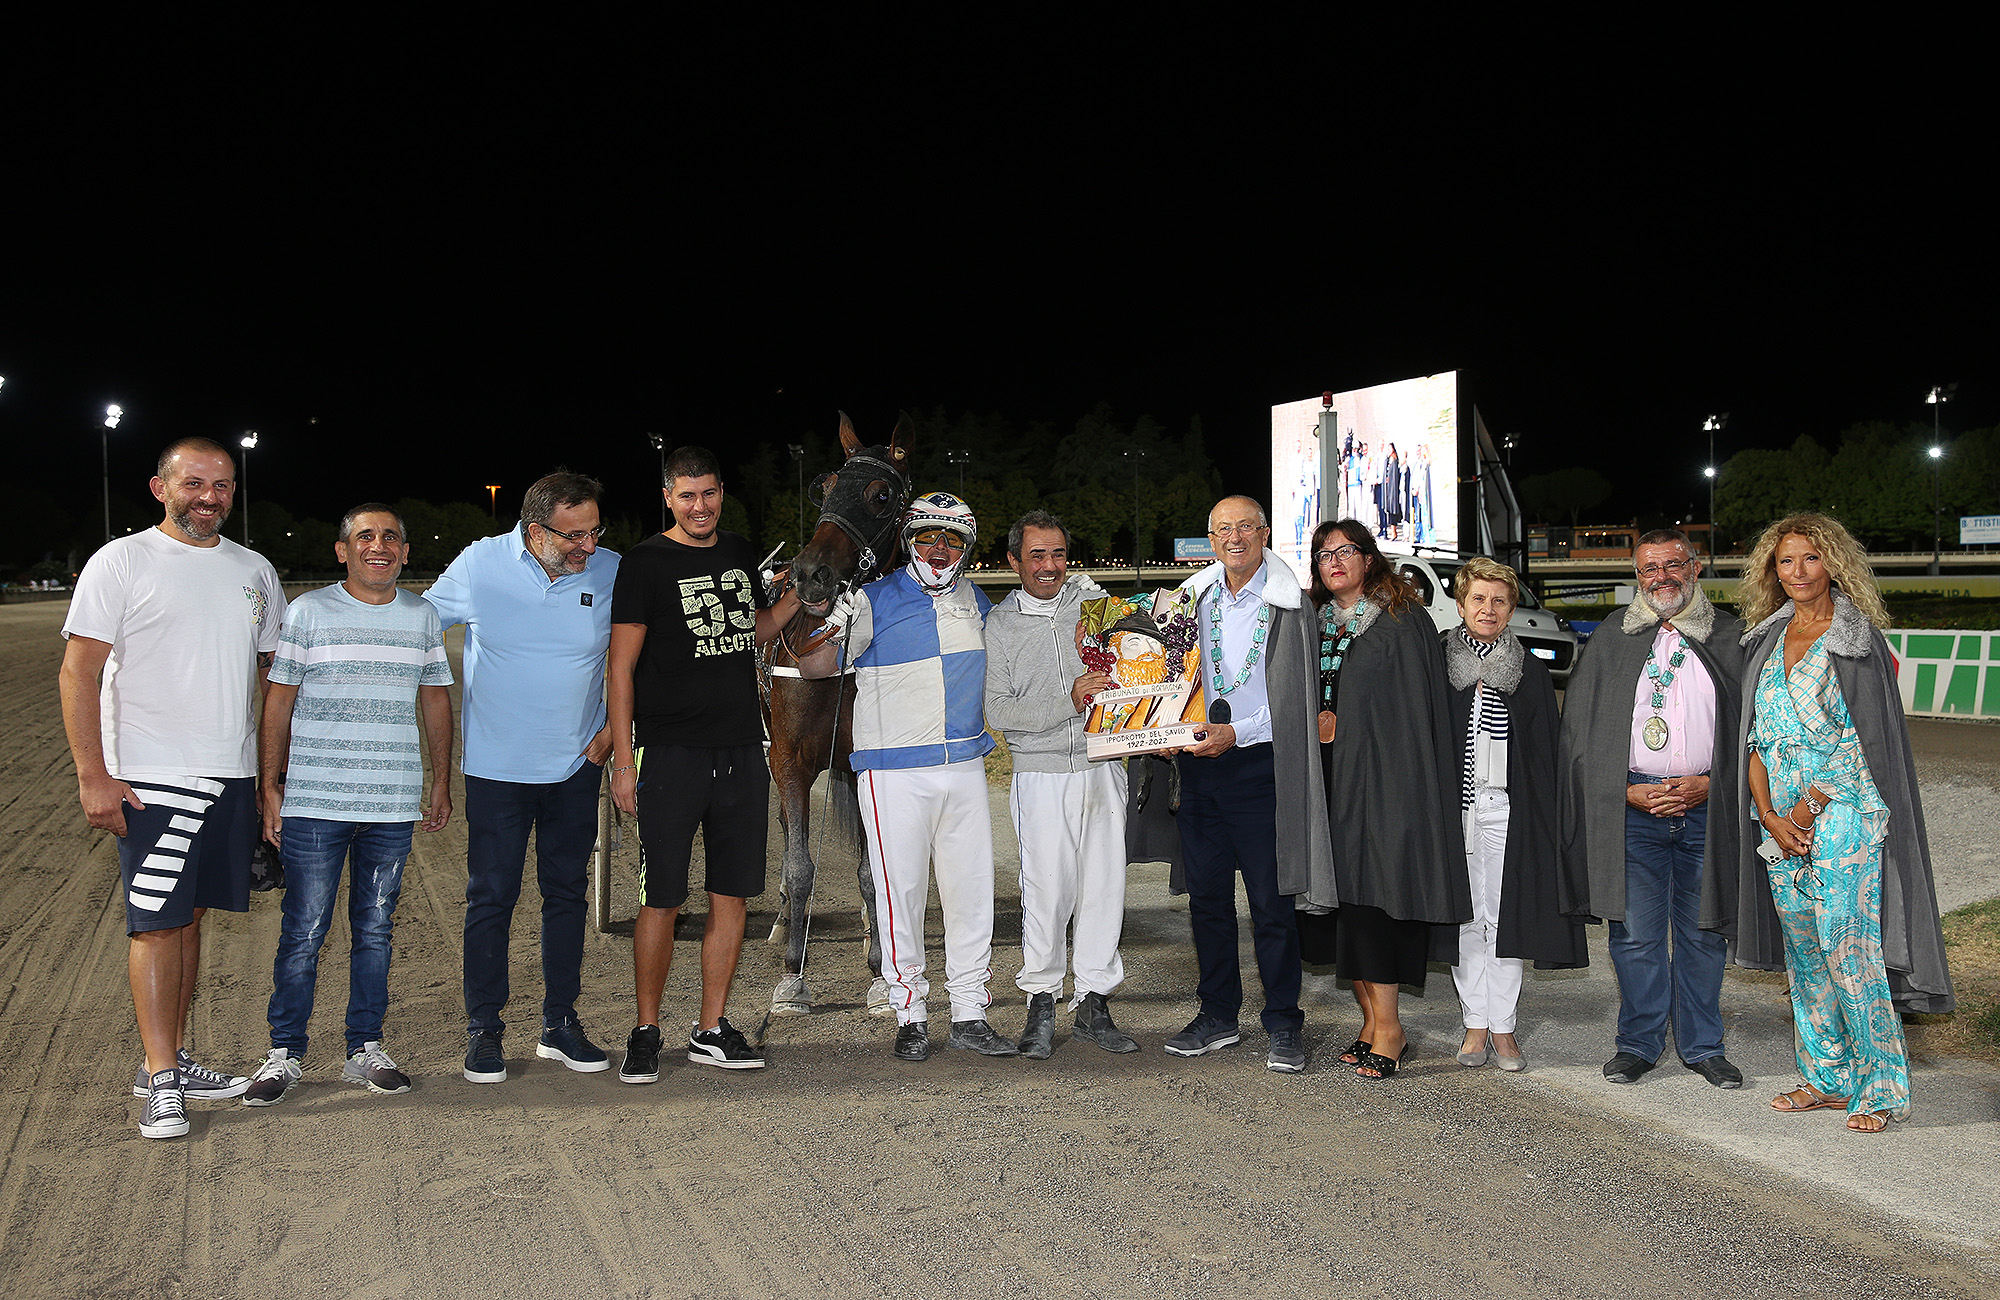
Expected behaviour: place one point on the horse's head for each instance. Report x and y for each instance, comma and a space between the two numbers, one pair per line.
861, 510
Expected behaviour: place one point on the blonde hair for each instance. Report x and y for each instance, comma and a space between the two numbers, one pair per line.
1758, 593
1481, 569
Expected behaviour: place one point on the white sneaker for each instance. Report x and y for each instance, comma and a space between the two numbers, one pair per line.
372, 1067
273, 1079
165, 1113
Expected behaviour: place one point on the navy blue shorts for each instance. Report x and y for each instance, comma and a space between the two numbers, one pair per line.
189, 847
725, 793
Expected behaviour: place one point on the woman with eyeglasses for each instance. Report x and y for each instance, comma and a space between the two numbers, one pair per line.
1833, 790
1504, 713
1391, 760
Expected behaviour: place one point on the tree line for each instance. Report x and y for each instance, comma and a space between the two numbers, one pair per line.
1117, 483
1878, 478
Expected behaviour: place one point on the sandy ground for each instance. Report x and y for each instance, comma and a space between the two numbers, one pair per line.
841, 1171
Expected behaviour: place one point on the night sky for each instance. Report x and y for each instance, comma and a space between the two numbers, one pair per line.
419, 261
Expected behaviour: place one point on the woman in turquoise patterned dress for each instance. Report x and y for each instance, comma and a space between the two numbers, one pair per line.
1814, 701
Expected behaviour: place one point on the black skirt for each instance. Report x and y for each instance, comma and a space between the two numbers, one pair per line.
1371, 945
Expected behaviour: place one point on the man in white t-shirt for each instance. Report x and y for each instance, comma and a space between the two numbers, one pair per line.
171, 632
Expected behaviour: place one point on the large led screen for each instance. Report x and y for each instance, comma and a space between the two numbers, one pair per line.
1387, 456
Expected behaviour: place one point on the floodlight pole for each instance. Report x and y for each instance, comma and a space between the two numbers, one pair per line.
1712, 425
1938, 396
112, 414
248, 442
493, 501
799, 460
660, 445
959, 456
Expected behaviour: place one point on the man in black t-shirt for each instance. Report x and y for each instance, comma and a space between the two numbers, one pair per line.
687, 617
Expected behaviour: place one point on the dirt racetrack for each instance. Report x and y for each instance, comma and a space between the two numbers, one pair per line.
838, 1170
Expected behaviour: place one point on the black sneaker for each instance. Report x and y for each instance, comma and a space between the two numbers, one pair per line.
978, 1036
484, 1061
725, 1046
642, 1056
1204, 1034
913, 1041
568, 1043
1288, 1051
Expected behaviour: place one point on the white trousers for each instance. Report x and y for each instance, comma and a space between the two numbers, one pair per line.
1071, 826
915, 816
1489, 987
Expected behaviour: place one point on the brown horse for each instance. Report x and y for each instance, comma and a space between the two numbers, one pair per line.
808, 693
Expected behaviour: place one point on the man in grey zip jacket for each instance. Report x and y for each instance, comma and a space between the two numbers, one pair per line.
1069, 813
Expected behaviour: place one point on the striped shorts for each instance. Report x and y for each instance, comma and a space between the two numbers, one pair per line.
188, 848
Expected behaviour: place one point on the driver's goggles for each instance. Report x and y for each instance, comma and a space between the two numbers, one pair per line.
938, 537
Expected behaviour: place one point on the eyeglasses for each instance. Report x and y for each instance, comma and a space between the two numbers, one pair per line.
592, 533
938, 537
1674, 567
1245, 529
1337, 553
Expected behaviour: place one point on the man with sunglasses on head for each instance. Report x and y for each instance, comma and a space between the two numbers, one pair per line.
1648, 733
687, 734
917, 641
536, 605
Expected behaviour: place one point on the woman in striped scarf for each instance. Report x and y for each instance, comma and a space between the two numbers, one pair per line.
1505, 707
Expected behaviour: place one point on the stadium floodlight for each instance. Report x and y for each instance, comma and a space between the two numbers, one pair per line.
112, 415
248, 442
1712, 426
1935, 399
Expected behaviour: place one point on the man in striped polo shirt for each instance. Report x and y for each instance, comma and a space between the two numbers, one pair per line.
357, 662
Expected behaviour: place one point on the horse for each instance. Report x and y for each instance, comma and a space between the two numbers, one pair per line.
808, 693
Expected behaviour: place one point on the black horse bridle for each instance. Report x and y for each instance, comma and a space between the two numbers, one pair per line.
845, 497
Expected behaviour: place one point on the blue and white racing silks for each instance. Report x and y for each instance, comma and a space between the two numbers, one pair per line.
920, 674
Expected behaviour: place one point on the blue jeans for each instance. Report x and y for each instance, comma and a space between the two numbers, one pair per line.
498, 817
1663, 898
314, 853
1229, 824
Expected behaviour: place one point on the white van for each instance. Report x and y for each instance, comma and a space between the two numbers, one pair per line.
1548, 637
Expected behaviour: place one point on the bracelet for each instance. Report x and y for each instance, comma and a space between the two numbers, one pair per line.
1796, 826
627, 768
1758, 820
1816, 806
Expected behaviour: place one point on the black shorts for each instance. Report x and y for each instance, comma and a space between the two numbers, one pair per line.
189, 847
725, 792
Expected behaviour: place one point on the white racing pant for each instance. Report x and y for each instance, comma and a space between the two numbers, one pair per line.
1071, 826
1489, 987
915, 816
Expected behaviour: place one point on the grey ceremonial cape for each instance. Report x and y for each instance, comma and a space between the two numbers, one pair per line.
1533, 926
1912, 939
1291, 682
1399, 844
1597, 749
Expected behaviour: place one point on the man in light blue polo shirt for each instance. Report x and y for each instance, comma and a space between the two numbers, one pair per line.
536, 603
